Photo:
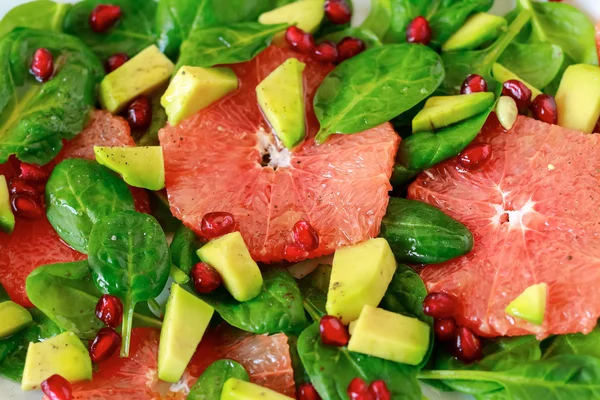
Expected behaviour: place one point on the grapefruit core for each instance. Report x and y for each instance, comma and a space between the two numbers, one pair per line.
225, 158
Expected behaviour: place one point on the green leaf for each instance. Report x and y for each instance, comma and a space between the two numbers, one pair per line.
314, 288
210, 384
183, 249
374, 87
576, 343
40, 14
367, 36
332, 368
133, 33
379, 19
3, 294
538, 63
149, 137
36, 117
129, 257
401, 175
159, 204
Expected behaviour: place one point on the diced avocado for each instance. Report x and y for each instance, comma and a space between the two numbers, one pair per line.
578, 98
502, 74
14, 317
360, 275
195, 88
477, 30
235, 389
390, 336
142, 166
530, 305
64, 355
442, 111
186, 320
231, 258
7, 218
507, 112
141, 75
281, 98
305, 14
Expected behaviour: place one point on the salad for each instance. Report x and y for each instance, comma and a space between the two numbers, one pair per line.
256, 199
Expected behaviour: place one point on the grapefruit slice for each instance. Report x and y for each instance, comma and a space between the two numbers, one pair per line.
533, 212
224, 158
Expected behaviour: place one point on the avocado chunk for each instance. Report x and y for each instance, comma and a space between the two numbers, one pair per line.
64, 355
231, 258
360, 275
305, 14
503, 74
391, 336
530, 305
14, 317
145, 72
195, 88
477, 30
578, 98
442, 111
236, 389
141, 167
507, 112
186, 320
7, 218
281, 99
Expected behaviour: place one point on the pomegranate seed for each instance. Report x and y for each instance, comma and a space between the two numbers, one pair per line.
475, 155
139, 113
206, 278
299, 40
544, 109
349, 47
333, 331
27, 206
358, 390
32, 172
491, 124
307, 392
439, 305
107, 341
103, 17
115, 61
109, 310
520, 93
467, 345
42, 65
294, 252
325, 52
444, 329
474, 84
305, 235
418, 31
338, 11
20, 185
380, 390
57, 388
216, 224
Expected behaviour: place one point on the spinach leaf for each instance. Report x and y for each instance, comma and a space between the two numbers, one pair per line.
183, 249
374, 87
78, 194
129, 257
379, 19
537, 63
174, 19
39, 14
300, 374
419, 233
226, 45
133, 33
159, 205
314, 289
367, 36
332, 368
3, 294
576, 343
210, 384
401, 175
149, 137
278, 308
35, 117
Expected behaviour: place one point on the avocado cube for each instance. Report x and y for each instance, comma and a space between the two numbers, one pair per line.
7, 218
14, 318
231, 258
141, 167
281, 99
530, 305
360, 275
236, 389
186, 320
578, 98
305, 14
503, 74
195, 88
477, 30
145, 72
63, 355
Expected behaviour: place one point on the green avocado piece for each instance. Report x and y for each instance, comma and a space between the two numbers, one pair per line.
305, 14
442, 111
578, 98
236, 389
281, 98
186, 320
530, 305
503, 74
14, 317
477, 30
141, 167
7, 218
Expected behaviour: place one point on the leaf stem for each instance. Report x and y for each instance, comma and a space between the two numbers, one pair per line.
537, 27
458, 375
126, 327
502, 43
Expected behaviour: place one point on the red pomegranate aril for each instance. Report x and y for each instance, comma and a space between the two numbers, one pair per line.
57, 388
20, 185
418, 31
544, 109
338, 11
105, 344
359, 390
474, 84
294, 252
333, 331
32, 172
104, 16
206, 279
305, 235
27, 205
299, 40
444, 329
380, 390
349, 47
439, 305
42, 65
109, 310
475, 155
520, 93
326, 52
115, 61
307, 392
467, 345
216, 224
139, 113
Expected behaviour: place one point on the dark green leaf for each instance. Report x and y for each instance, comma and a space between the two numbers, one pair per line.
39, 14
183, 249
159, 204
577, 343
149, 137
78, 194
300, 374
536, 63
367, 36
174, 19
210, 384
314, 289
402, 175
3, 294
